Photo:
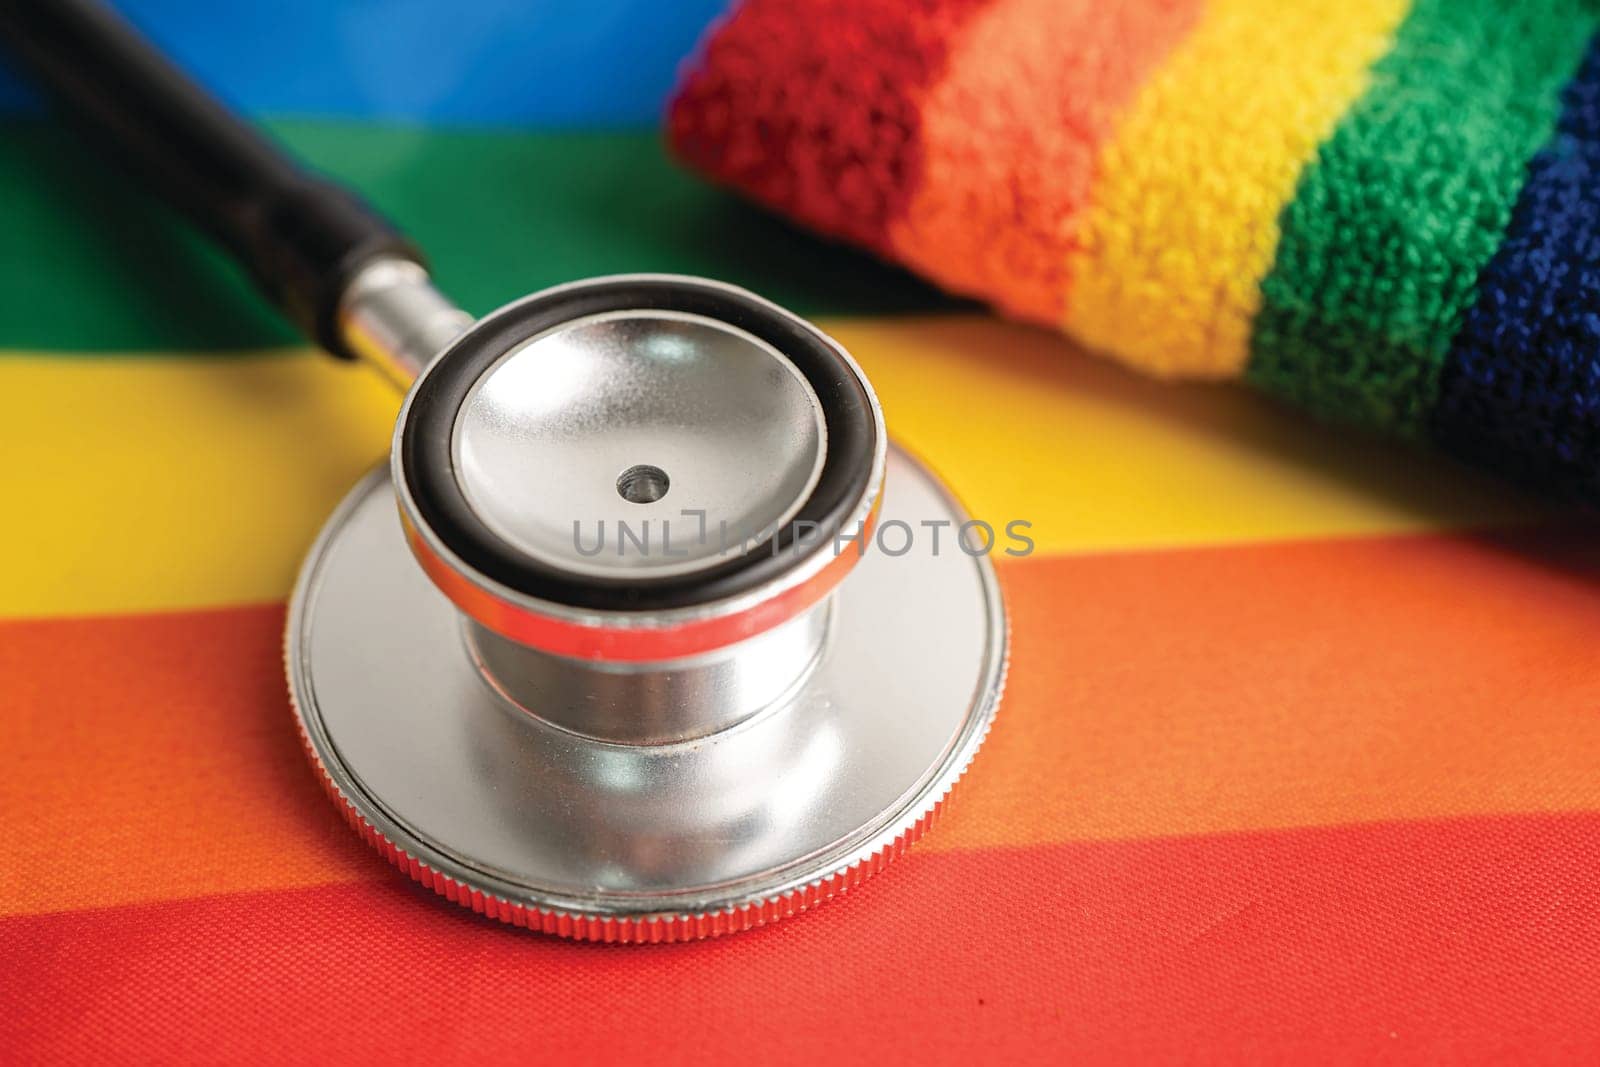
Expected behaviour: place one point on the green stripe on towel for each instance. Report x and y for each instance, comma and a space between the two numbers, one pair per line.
1383, 243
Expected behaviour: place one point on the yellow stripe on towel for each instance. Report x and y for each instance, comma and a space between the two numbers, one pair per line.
1183, 221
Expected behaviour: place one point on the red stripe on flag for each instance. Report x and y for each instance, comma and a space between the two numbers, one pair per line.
1470, 938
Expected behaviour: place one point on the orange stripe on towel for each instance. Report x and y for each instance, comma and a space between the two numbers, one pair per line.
1009, 147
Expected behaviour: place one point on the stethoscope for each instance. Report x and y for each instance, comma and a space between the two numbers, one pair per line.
636, 660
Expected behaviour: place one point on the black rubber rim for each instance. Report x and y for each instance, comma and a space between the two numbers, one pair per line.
425, 446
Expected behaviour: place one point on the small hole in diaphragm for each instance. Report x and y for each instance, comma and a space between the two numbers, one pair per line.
643, 484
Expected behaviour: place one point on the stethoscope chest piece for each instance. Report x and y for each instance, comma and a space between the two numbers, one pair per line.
662, 672
665, 640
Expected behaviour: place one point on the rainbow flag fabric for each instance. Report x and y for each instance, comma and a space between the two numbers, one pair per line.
1386, 211
1298, 758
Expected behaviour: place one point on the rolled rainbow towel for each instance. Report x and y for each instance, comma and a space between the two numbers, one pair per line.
1387, 211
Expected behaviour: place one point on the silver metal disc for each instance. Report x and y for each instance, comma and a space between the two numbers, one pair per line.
528, 815
636, 417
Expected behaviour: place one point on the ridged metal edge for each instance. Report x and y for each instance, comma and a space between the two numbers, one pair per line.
652, 928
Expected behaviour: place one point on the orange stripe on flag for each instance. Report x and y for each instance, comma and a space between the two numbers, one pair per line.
153, 757
1461, 940
1291, 685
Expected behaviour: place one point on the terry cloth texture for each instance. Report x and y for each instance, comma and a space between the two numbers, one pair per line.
1378, 209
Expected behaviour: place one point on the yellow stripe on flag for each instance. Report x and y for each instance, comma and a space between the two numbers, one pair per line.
148, 483
1024, 425
153, 483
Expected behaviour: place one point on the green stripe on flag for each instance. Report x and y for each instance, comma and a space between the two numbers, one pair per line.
90, 263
